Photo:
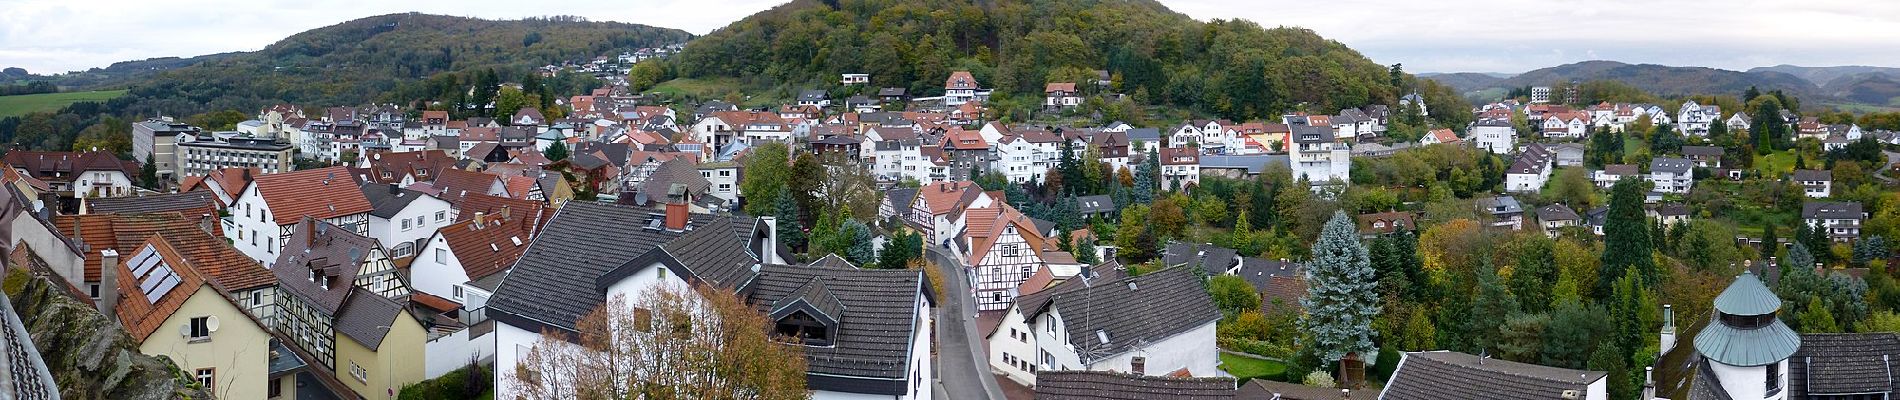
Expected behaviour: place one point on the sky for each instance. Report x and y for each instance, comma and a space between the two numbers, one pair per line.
1509, 36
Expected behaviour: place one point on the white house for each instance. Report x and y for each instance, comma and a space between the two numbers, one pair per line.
264, 212
1530, 171
960, 88
1816, 183
1316, 158
401, 218
1694, 119
1672, 175
1180, 167
1841, 218
1004, 249
1016, 160
1495, 135
1163, 324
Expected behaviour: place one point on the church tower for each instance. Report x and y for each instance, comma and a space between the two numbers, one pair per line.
1746, 349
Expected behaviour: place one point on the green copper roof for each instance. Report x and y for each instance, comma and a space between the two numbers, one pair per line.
1747, 347
1747, 296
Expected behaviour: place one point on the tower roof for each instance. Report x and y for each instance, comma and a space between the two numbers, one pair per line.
1747, 296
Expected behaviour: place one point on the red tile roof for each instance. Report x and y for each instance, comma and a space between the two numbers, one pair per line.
317, 193
491, 246
140, 315
960, 80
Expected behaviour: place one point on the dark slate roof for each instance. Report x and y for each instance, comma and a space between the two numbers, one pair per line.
388, 200
1844, 363
1802, 175
831, 260
875, 309
332, 250
365, 315
1262, 389
1831, 210
1260, 271
1676, 166
1100, 203
714, 252
554, 281
1144, 134
1449, 375
1141, 309
1093, 385
674, 171
175, 202
1556, 212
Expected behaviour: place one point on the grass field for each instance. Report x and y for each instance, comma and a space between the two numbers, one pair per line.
1248, 368
22, 104
1776, 163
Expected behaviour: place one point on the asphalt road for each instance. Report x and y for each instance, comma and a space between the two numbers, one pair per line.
963, 370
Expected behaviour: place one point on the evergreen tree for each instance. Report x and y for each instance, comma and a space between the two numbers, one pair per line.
790, 232
855, 237
1342, 295
1069, 167
1488, 309
1869, 249
148, 176
556, 151
1799, 258
1571, 334
1147, 176
898, 253
1769, 243
1535, 273
1626, 243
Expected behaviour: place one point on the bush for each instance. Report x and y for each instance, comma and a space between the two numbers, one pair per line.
466, 383
1256, 347
1319, 379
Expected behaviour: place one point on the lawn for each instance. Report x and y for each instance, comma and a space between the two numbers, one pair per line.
22, 104
1776, 163
1244, 368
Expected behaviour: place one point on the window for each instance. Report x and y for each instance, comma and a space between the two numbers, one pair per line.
357, 371
441, 215
257, 297
419, 221
458, 292
276, 389
441, 256
662, 271
208, 377
95, 290
405, 224
1774, 378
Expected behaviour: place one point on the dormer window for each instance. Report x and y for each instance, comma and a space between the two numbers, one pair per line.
805, 328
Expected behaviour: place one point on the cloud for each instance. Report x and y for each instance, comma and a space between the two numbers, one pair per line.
1489, 35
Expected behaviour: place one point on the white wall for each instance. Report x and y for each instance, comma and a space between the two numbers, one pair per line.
1001, 343
433, 277
389, 232
259, 232
1194, 350
451, 352
1749, 382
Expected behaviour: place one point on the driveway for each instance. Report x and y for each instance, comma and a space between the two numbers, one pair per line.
963, 369
1892, 158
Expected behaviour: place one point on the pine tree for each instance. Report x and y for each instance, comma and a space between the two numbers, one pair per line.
855, 238
1147, 175
1488, 309
556, 151
790, 232
1799, 257
1626, 238
1769, 243
1535, 273
1342, 293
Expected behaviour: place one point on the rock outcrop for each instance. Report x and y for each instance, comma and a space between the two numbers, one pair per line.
89, 355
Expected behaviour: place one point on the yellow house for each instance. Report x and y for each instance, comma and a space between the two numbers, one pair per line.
379, 347
170, 309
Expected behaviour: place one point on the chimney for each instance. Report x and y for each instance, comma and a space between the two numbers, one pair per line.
676, 216
479, 218
109, 283
1668, 329
1649, 382
504, 212
394, 189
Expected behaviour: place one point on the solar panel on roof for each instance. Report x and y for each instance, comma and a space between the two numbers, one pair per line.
144, 260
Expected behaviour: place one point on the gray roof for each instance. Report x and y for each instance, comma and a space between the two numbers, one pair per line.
174, 202
674, 171
1831, 210
1803, 175
282, 359
1108, 385
1303, 133
812, 95
1260, 272
365, 315
874, 309
1556, 212
1676, 166
1844, 363
1500, 205
389, 199
1449, 375
553, 283
1141, 309
1747, 346
1100, 203
332, 250
1144, 134
831, 260
1215, 260
1262, 389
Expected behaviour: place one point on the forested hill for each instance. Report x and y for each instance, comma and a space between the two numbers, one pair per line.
1230, 68
1666, 80
378, 59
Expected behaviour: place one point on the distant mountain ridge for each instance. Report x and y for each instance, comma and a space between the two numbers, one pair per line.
1849, 84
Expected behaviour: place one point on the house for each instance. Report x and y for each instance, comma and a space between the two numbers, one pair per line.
1694, 119
1210, 259
170, 308
1671, 175
892, 95
76, 174
342, 303
464, 261
197, 206
224, 184
1375, 224
1556, 216
1111, 385
1440, 135
262, 214
1060, 95
1612, 173
401, 218
1451, 375
1817, 184
1156, 324
1502, 211
1281, 283
108, 238
1317, 158
854, 79
1669, 214
960, 88
1004, 249
1841, 219
1100, 206
1495, 135
1530, 170
1704, 156
1180, 168
1567, 154
871, 336
966, 149
814, 98
1738, 122
1744, 351
527, 116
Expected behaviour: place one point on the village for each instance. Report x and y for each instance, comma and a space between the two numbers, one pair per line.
921, 247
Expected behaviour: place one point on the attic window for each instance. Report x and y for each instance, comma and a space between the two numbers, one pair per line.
1101, 335
516, 239
805, 328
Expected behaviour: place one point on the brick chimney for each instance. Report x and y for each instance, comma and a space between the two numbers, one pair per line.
480, 218
676, 216
109, 283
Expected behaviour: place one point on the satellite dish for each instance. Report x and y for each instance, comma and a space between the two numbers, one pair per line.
184, 330
211, 323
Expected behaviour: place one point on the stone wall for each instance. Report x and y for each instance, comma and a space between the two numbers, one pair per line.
90, 356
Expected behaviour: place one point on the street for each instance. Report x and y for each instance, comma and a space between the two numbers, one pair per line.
963, 371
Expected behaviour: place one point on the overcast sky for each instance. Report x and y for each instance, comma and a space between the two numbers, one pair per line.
46, 36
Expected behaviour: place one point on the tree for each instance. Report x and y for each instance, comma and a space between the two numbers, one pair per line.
1147, 178
1570, 335
1342, 293
791, 233
806, 182
644, 75
1573, 187
511, 100
1488, 308
767, 171
1233, 295
903, 248
148, 176
856, 238
1536, 271
556, 151
668, 342
1520, 337
1626, 238
1166, 218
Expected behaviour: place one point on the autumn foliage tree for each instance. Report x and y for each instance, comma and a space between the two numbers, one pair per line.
665, 343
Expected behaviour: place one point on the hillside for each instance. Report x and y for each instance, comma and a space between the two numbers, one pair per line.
1867, 88
365, 59
1825, 75
1467, 81
1666, 80
1230, 68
